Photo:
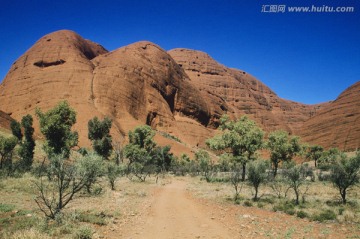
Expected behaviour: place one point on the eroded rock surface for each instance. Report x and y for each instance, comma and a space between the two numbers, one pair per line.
181, 92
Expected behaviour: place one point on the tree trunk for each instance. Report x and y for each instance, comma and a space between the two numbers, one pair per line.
297, 197
315, 164
243, 172
343, 195
275, 169
256, 193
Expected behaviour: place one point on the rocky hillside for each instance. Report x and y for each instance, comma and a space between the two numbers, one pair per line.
338, 123
181, 92
237, 92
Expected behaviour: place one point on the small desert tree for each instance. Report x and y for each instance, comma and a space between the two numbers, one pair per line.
345, 173
241, 139
315, 152
16, 129
55, 125
236, 180
283, 148
257, 174
113, 172
99, 134
295, 177
139, 152
27, 143
205, 164
7, 146
63, 181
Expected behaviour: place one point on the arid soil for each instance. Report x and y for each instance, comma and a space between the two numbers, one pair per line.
173, 211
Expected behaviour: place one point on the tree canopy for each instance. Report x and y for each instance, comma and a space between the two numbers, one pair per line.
241, 138
55, 125
283, 148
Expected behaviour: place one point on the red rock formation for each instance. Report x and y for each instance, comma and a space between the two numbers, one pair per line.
5, 120
133, 85
338, 123
181, 92
236, 92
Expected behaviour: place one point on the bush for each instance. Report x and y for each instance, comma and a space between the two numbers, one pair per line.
248, 204
84, 232
64, 181
301, 214
287, 207
324, 216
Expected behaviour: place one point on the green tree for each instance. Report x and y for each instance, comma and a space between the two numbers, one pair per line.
329, 157
28, 145
139, 152
7, 146
241, 139
345, 173
144, 156
16, 129
257, 174
295, 177
283, 148
315, 152
206, 165
143, 136
55, 125
99, 134
113, 172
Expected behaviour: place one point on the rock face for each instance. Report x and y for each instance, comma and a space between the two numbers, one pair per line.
237, 93
5, 120
181, 92
338, 123
133, 85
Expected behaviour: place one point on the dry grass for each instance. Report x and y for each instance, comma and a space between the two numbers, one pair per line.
100, 212
320, 197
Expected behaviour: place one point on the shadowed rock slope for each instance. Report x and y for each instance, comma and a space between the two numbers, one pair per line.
181, 92
338, 123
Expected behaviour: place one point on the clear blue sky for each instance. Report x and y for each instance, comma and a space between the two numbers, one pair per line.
305, 57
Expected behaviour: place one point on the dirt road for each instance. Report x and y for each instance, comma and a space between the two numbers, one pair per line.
174, 214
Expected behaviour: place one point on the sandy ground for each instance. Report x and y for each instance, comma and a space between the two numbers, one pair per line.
172, 211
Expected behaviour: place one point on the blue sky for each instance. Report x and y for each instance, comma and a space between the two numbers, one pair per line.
305, 57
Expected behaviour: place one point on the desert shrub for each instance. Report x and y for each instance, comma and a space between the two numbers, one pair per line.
302, 214
285, 206
84, 232
324, 216
93, 218
64, 181
248, 204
